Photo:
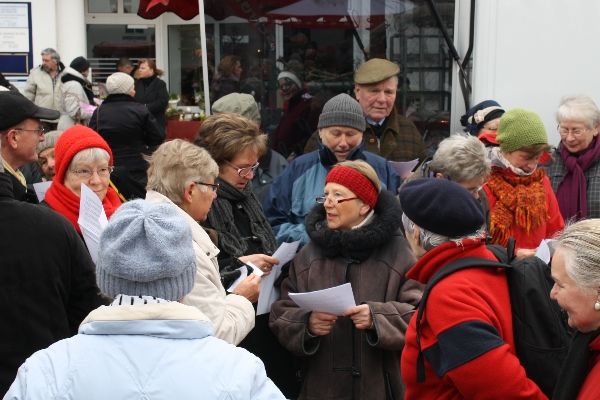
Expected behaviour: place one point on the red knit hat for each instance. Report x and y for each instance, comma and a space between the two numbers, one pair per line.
359, 184
71, 142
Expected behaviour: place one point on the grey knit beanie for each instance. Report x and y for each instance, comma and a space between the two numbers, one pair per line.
342, 110
49, 141
147, 250
238, 103
119, 82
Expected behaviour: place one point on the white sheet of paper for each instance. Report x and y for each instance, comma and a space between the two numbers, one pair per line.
545, 250
403, 168
41, 188
92, 219
269, 293
332, 301
244, 274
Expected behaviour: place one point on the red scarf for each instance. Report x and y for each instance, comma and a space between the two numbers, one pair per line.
65, 202
572, 190
520, 200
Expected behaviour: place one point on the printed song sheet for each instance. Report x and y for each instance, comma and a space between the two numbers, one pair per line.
332, 301
404, 168
244, 274
41, 188
92, 219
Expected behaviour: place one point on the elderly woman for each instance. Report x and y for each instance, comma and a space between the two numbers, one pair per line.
244, 233
576, 273
182, 176
464, 160
152, 92
575, 175
482, 121
354, 238
522, 203
129, 128
81, 157
466, 335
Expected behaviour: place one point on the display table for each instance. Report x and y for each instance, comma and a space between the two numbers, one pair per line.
185, 130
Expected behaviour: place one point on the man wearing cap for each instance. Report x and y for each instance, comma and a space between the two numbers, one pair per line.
47, 279
146, 344
293, 193
43, 83
20, 137
387, 133
271, 163
466, 335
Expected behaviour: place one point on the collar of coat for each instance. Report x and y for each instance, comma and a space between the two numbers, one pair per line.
169, 320
328, 158
357, 244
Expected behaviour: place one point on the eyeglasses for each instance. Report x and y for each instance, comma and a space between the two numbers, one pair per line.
335, 202
86, 173
214, 186
243, 172
40, 131
575, 132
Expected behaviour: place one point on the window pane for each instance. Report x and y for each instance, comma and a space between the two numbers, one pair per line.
107, 43
131, 6
102, 6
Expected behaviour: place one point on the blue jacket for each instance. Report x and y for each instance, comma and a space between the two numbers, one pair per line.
152, 351
293, 193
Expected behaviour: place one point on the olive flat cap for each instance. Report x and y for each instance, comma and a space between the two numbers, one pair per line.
375, 70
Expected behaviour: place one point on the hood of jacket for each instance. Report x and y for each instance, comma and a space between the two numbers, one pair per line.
166, 320
71, 71
356, 243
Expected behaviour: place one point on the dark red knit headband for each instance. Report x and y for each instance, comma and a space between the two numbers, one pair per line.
359, 184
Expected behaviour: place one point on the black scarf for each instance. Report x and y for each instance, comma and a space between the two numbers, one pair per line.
221, 219
576, 366
85, 84
357, 244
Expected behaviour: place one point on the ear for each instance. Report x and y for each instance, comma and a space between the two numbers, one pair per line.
596, 130
417, 235
188, 192
439, 175
321, 133
356, 89
11, 139
364, 209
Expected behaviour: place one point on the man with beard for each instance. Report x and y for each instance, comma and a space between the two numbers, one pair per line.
43, 84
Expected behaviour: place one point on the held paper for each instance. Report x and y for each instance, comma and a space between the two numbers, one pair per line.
92, 219
404, 168
41, 188
334, 301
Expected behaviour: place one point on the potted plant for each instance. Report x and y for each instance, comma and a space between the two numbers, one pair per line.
173, 100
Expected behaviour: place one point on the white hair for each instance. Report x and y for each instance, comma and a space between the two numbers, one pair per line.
462, 158
578, 108
430, 240
89, 156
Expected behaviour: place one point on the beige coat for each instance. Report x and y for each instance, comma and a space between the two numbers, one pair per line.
231, 316
40, 89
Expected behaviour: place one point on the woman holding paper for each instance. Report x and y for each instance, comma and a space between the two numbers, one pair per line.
236, 143
81, 156
183, 176
75, 89
355, 238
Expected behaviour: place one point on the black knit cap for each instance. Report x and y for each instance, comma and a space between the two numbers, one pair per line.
441, 206
80, 64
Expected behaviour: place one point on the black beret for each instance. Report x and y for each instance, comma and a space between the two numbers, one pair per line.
80, 64
441, 206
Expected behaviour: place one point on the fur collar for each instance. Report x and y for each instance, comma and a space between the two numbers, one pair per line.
357, 243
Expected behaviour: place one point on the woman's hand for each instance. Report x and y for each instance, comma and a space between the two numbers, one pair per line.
262, 261
249, 288
525, 253
320, 324
361, 316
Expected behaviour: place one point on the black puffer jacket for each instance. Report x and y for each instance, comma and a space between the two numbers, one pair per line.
349, 363
129, 129
152, 92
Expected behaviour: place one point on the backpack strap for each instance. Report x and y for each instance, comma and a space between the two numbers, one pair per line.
449, 269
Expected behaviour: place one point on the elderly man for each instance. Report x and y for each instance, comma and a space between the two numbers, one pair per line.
20, 136
466, 332
126, 66
46, 155
293, 193
388, 134
43, 84
47, 279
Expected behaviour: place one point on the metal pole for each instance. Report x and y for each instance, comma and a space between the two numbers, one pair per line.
204, 57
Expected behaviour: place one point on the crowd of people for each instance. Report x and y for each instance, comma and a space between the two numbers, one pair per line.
192, 227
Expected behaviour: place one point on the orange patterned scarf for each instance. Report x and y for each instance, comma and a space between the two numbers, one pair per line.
520, 200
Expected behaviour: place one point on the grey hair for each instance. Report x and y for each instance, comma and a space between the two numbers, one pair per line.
580, 244
53, 54
89, 156
409, 226
430, 240
175, 164
579, 108
462, 158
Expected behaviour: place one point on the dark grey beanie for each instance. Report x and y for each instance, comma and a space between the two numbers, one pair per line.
342, 110
146, 250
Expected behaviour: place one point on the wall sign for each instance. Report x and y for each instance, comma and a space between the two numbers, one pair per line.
15, 38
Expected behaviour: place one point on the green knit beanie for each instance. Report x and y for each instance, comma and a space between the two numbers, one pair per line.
519, 128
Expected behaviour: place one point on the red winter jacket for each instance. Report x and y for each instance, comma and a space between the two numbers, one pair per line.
591, 386
466, 333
